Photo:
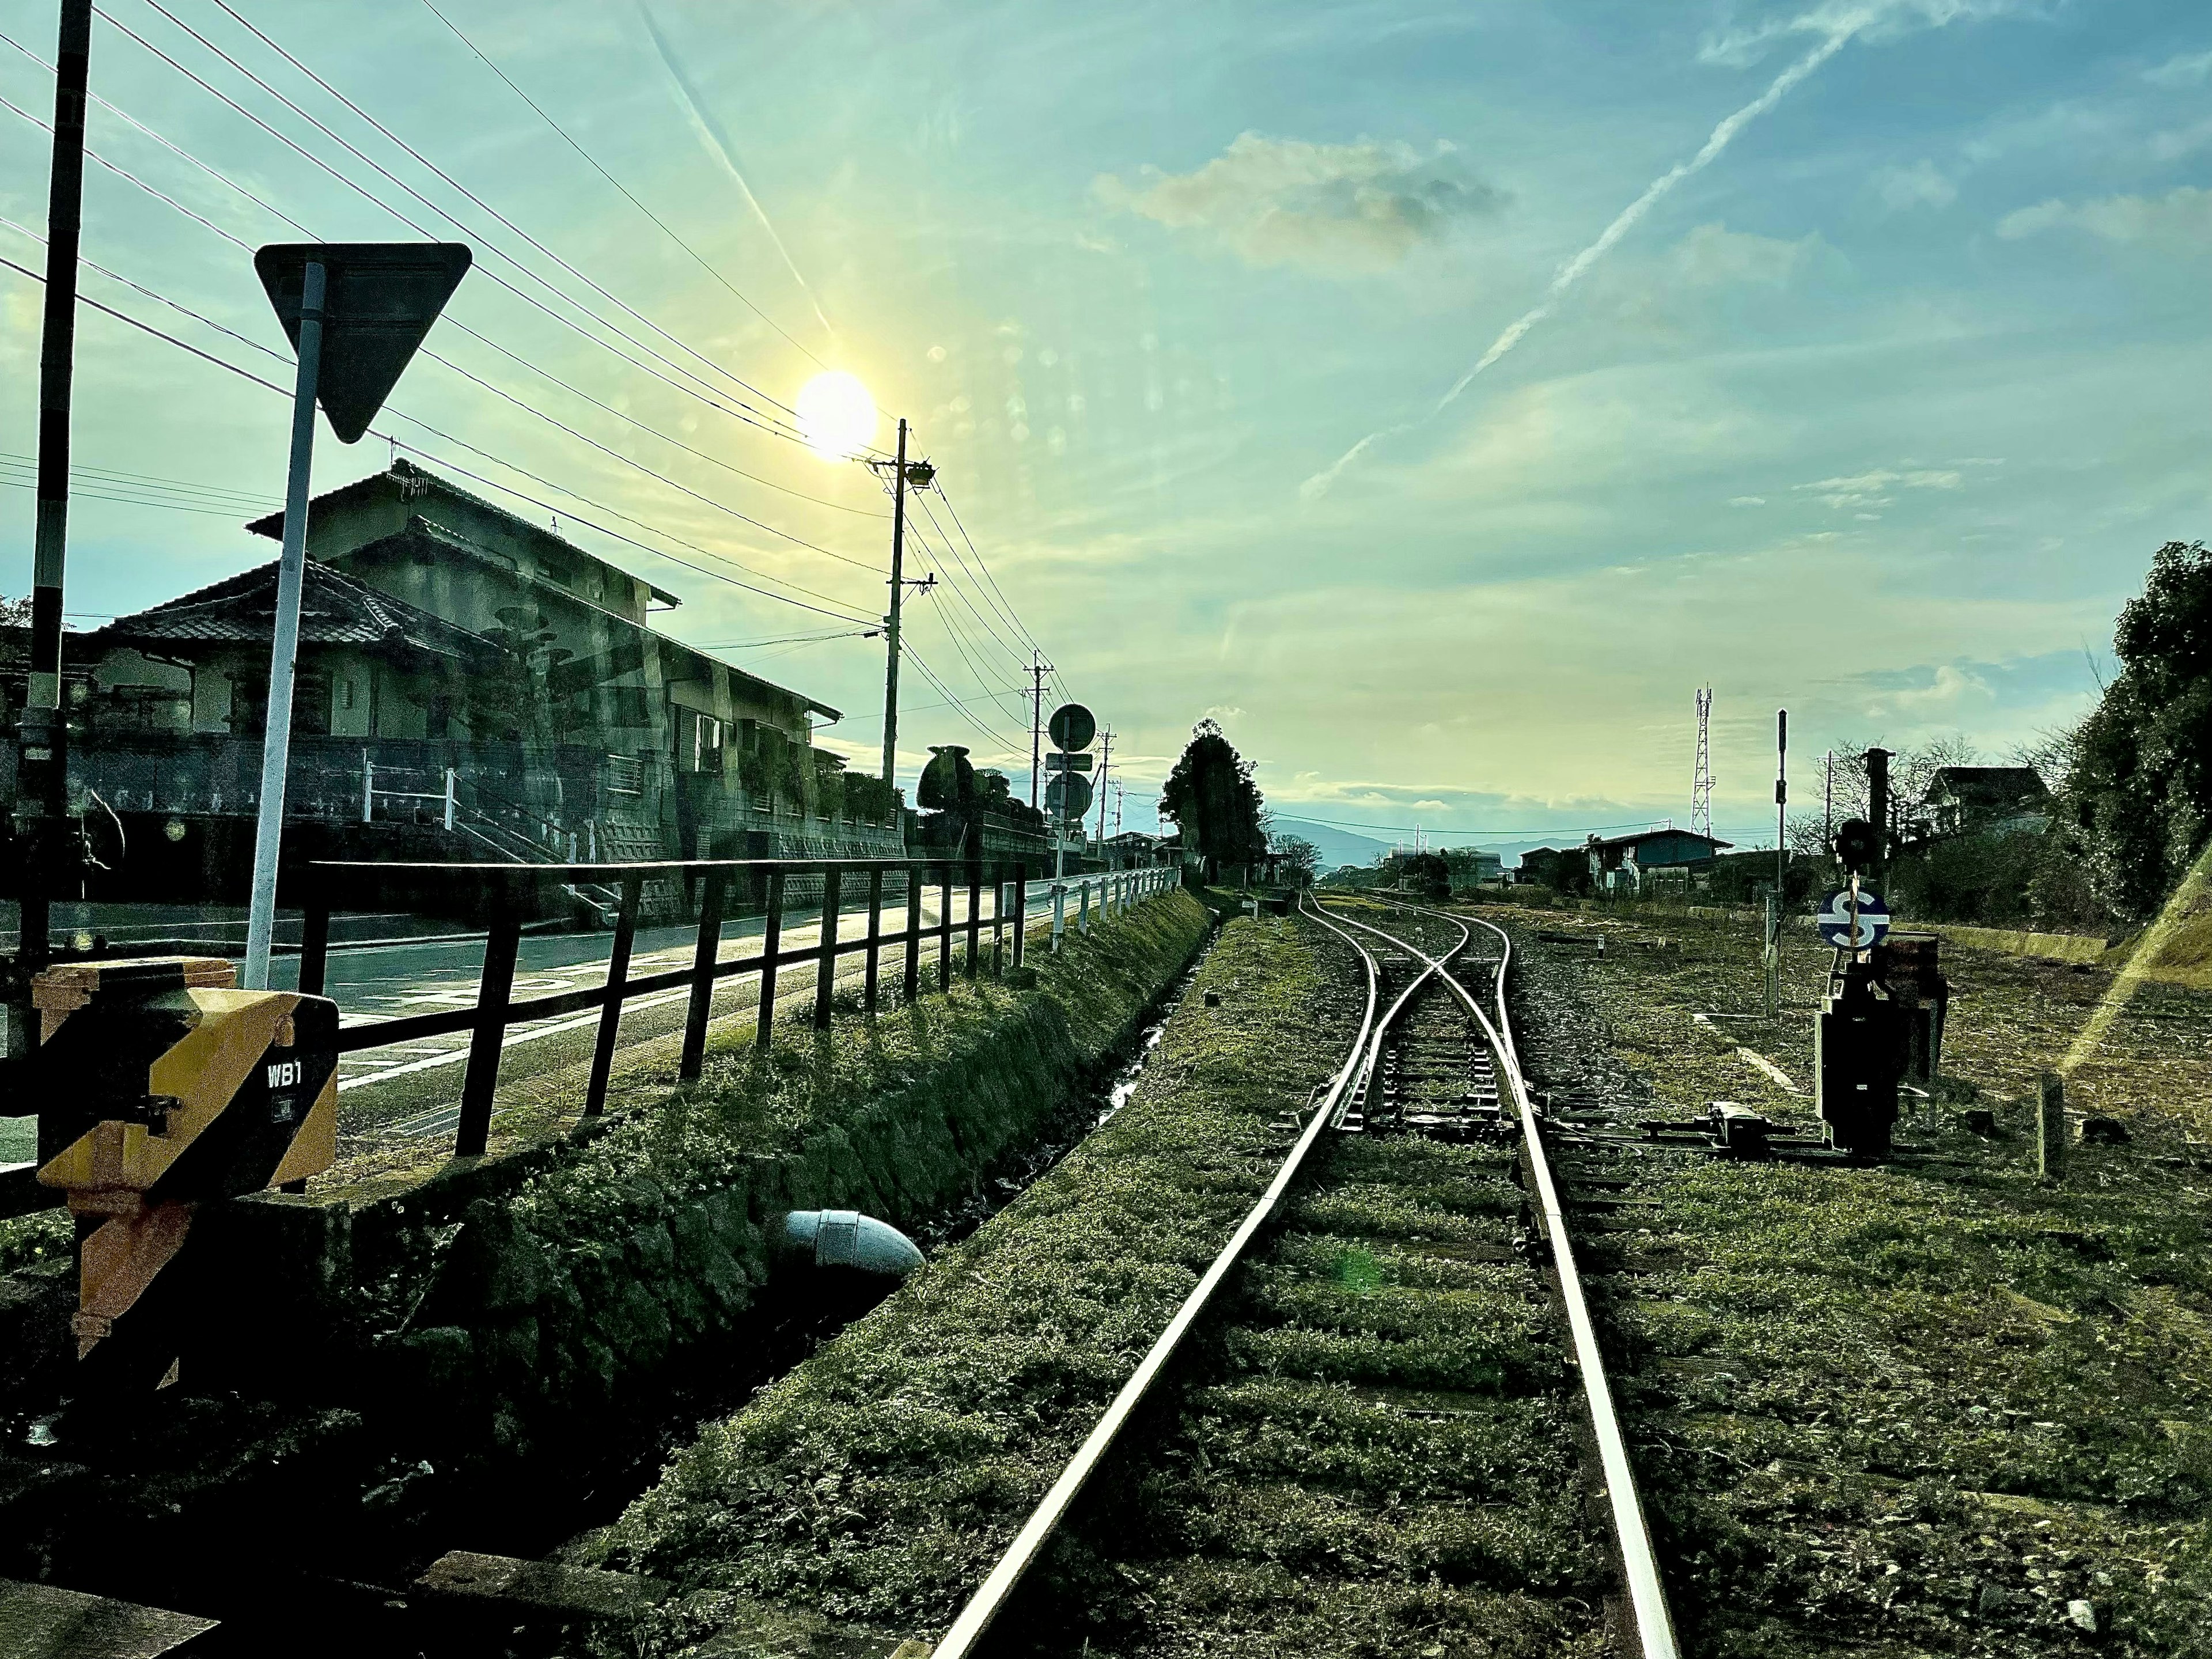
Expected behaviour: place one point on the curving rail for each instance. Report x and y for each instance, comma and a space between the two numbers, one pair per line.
968, 1630
1655, 1627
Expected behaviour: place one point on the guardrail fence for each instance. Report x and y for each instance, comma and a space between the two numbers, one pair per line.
510, 892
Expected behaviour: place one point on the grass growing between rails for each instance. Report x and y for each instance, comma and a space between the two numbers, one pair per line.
879, 1481
1375, 1457
1937, 1407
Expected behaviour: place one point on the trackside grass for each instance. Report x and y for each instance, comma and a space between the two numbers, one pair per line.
879, 1481
1936, 1407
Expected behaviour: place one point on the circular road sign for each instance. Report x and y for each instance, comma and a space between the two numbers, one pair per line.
1834, 920
1071, 726
1068, 796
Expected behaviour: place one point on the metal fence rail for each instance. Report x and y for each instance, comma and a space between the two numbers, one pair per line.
508, 891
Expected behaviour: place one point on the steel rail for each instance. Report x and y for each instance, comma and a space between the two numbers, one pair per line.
1655, 1625
991, 1598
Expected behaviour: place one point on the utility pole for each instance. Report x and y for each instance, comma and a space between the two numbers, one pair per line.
1828, 805
42, 763
919, 476
1781, 863
1105, 764
1038, 669
891, 622
1877, 775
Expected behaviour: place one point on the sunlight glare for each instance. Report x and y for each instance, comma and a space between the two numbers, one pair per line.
836, 416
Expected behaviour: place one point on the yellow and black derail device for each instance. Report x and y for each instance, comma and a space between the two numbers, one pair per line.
159, 1087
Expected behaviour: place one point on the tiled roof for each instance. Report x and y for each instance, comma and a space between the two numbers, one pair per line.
413, 482
334, 610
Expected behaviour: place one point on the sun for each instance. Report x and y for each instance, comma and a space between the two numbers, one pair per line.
837, 416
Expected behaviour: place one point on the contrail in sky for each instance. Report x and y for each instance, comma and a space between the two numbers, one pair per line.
1572, 272
717, 144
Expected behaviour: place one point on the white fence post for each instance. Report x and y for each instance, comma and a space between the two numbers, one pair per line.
449, 797
368, 788
1059, 913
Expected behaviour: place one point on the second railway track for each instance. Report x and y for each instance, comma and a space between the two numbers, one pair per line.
1389, 1427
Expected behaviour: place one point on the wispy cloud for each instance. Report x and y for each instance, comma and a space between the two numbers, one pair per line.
2190, 69
1339, 209
1875, 488
1921, 185
2183, 215
1573, 271
717, 144
1713, 256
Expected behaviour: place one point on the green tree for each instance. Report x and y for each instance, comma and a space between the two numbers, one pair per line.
1299, 859
2136, 800
1211, 798
1429, 875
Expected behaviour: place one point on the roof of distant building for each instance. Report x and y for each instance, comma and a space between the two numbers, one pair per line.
412, 478
1985, 786
334, 610
1643, 835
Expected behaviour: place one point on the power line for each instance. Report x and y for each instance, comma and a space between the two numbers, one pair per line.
506, 489
266, 351
798, 541
1014, 653
714, 400
970, 714
545, 375
178, 486
568, 139
456, 184
1011, 615
444, 213
1018, 651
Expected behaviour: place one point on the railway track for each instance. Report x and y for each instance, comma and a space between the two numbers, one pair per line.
1409, 1275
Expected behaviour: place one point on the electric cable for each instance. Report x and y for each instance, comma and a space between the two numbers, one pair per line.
450, 465
799, 541
456, 184
970, 714
568, 139
445, 214
285, 218
713, 400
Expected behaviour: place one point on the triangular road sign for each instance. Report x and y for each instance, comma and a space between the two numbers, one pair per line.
380, 300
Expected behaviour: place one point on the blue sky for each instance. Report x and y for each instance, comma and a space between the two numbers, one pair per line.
1877, 415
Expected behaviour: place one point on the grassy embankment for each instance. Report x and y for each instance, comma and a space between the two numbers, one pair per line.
1932, 1407
653, 1238
879, 1481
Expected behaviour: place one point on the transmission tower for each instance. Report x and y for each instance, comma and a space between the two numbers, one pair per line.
1701, 781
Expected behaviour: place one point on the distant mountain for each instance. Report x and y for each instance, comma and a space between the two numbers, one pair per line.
1336, 846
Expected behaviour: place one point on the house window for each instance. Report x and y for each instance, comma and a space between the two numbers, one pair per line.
345, 694
707, 735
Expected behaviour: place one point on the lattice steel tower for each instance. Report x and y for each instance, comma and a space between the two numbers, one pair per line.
1701, 780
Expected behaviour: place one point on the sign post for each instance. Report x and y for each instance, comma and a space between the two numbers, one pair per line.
356, 311
1068, 796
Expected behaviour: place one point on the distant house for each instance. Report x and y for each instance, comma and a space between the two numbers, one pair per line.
1541, 866
470, 685
1960, 798
1665, 856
